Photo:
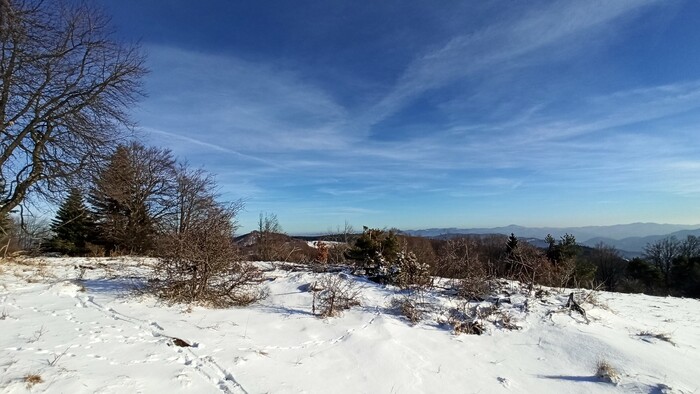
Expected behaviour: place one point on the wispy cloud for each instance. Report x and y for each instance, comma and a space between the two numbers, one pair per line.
241, 105
501, 43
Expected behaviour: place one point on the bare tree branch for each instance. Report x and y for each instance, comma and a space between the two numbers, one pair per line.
65, 88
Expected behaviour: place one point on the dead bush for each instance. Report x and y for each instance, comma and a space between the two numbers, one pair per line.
333, 294
473, 288
408, 308
460, 258
322, 252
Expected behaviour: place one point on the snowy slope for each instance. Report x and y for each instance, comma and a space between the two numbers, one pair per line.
96, 335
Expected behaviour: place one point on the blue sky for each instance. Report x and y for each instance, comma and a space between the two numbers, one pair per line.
417, 114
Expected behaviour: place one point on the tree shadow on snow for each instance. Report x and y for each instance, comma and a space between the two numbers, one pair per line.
110, 286
572, 378
285, 310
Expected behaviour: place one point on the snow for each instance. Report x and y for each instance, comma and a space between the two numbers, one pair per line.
99, 335
315, 244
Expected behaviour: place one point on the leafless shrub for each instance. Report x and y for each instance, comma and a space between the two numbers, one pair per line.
199, 261
333, 294
32, 379
606, 372
37, 335
4, 315
337, 253
473, 288
459, 258
25, 233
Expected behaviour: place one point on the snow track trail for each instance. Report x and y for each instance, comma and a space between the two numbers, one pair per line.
205, 365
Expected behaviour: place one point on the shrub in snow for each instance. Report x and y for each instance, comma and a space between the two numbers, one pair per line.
408, 308
464, 323
334, 294
410, 271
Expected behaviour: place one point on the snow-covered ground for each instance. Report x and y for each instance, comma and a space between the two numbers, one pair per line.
97, 335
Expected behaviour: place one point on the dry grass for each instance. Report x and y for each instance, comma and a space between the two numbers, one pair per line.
32, 379
662, 336
607, 372
592, 298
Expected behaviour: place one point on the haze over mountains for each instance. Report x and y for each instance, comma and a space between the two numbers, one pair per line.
631, 238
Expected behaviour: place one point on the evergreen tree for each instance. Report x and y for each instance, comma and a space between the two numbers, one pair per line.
73, 226
564, 250
512, 246
131, 195
376, 252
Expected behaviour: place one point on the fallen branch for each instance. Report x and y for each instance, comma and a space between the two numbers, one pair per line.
571, 304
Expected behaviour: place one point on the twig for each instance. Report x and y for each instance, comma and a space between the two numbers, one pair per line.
37, 334
58, 357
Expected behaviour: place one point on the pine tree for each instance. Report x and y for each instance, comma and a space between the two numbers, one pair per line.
131, 195
376, 252
73, 226
512, 246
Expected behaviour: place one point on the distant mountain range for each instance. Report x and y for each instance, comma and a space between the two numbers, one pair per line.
628, 238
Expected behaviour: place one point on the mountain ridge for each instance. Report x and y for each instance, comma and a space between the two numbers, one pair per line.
629, 238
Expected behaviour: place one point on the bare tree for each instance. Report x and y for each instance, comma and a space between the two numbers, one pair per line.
661, 254
690, 247
31, 232
610, 266
192, 194
269, 245
65, 86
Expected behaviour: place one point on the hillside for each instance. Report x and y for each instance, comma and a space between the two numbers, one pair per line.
630, 239
619, 231
95, 334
